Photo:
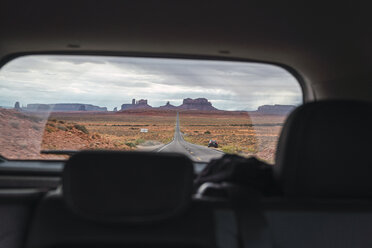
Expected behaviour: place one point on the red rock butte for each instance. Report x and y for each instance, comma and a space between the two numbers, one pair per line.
201, 104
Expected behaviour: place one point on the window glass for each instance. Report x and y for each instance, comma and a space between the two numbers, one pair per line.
202, 108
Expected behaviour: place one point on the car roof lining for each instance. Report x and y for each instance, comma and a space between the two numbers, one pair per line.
328, 45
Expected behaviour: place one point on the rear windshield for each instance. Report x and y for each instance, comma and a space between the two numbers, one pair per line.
52, 106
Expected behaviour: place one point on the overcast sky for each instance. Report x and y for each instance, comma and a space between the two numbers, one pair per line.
112, 81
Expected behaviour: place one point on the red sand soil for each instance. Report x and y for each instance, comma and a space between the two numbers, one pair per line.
23, 136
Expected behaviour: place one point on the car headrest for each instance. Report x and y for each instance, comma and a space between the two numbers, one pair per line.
325, 151
127, 186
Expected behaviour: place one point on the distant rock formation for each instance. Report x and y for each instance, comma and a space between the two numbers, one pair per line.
201, 104
82, 108
17, 106
140, 104
276, 109
64, 107
115, 109
168, 106
38, 107
126, 106
197, 104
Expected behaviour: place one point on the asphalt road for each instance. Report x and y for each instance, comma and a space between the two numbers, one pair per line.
195, 152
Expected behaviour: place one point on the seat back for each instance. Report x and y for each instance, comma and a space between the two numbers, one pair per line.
324, 171
328, 223
16, 207
324, 151
113, 199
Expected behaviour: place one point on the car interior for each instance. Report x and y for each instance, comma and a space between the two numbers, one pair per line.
320, 186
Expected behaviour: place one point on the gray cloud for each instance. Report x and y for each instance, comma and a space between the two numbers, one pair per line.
112, 81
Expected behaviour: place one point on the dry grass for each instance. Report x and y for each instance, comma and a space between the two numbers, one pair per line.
124, 129
24, 135
244, 134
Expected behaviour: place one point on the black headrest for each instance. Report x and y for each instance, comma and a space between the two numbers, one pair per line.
325, 150
127, 186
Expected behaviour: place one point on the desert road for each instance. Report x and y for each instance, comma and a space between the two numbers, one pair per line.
194, 152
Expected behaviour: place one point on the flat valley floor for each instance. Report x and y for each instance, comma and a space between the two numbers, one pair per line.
243, 133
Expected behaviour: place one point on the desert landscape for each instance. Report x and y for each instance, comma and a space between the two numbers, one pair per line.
25, 133
242, 133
